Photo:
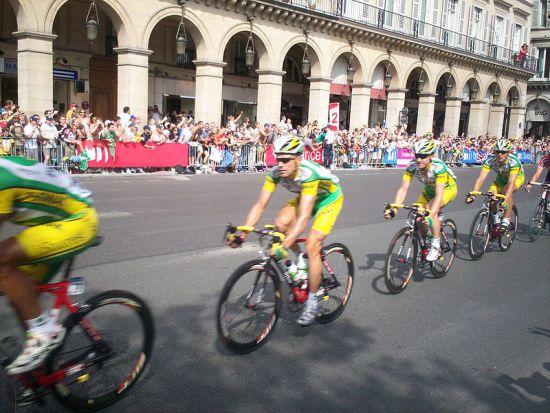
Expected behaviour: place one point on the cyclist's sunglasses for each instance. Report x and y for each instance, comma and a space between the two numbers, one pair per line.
501, 152
421, 155
284, 160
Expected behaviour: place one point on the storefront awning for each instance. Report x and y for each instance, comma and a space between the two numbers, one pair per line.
379, 94
340, 89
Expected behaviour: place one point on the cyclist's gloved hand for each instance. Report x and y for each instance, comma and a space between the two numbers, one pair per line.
469, 198
235, 241
528, 186
389, 213
279, 252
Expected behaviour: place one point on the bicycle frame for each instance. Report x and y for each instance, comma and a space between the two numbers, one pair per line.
38, 378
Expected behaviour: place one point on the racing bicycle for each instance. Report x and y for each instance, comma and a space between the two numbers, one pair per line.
252, 298
107, 345
486, 225
410, 247
541, 213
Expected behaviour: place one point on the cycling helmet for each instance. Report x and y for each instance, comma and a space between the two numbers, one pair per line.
289, 144
424, 147
502, 145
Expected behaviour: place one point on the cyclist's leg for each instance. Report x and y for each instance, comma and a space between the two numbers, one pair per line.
323, 222
519, 183
286, 218
16, 284
423, 200
495, 188
449, 194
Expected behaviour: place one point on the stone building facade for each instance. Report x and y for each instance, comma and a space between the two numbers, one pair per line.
438, 65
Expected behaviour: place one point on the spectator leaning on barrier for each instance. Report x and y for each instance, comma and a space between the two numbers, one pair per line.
32, 133
48, 137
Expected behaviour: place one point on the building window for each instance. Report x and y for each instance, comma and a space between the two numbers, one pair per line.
111, 41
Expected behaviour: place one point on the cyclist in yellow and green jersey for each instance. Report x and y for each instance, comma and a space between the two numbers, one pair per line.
318, 197
510, 177
61, 223
439, 189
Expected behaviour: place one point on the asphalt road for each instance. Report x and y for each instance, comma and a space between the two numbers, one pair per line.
477, 340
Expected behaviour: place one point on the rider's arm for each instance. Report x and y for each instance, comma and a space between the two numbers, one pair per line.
306, 206
480, 179
537, 173
403, 189
258, 208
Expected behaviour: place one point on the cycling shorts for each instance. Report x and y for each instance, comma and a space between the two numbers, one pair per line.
499, 188
47, 246
324, 218
449, 194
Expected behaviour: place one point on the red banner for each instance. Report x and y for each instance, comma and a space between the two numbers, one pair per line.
315, 155
135, 155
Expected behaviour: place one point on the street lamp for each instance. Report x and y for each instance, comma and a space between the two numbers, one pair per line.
305, 59
515, 99
387, 78
92, 23
181, 36
351, 70
496, 93
473, 91
421, 80
249, 51
449, 87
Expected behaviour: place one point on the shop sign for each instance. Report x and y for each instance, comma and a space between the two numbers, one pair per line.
8, 66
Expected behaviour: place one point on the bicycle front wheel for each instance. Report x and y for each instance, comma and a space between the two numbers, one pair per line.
249, 306
537, 221
336, 282
107, 345
479, 235
400, 260
449, 242
506, 239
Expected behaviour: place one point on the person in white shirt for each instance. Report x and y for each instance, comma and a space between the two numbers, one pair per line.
48, 135
125, 117
31, 133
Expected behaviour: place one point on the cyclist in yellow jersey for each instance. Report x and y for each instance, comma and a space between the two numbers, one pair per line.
510, 176
61, 223
439, 189
319, 196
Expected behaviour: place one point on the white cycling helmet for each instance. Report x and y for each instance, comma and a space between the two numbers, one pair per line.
424, 147
288, 144
502, 145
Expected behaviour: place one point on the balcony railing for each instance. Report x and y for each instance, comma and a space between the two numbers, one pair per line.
361, 12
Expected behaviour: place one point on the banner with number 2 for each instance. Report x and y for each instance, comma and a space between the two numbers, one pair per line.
334, 115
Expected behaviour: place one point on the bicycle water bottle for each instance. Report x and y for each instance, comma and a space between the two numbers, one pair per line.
302, 269
77, 286
292, 269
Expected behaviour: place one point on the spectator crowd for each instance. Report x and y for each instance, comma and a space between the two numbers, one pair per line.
240, 144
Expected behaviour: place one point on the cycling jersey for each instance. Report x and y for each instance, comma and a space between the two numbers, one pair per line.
545, 163
33, 194
56, 208
511, 166
310, 179
437, 173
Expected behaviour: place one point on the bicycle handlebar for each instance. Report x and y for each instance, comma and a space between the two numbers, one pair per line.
539, 184
491, 194
266, 230
418, 208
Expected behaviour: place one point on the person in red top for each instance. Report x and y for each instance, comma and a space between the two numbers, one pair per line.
543, 163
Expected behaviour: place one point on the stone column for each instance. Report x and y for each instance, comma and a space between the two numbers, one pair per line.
133, 81
395, 102
426, 106
477, 121
319, 98
208, 90
496, 120
452, 115
35, 71
360, 103
517, 122
270, 92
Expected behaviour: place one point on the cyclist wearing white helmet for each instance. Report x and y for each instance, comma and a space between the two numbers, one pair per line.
439, 189
510, 176
319, 197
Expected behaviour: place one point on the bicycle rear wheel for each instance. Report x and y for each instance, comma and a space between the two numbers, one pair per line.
336, 282
537, 220
107, 345
479, 235
506, 239
449, 242
249, 306
400, 260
